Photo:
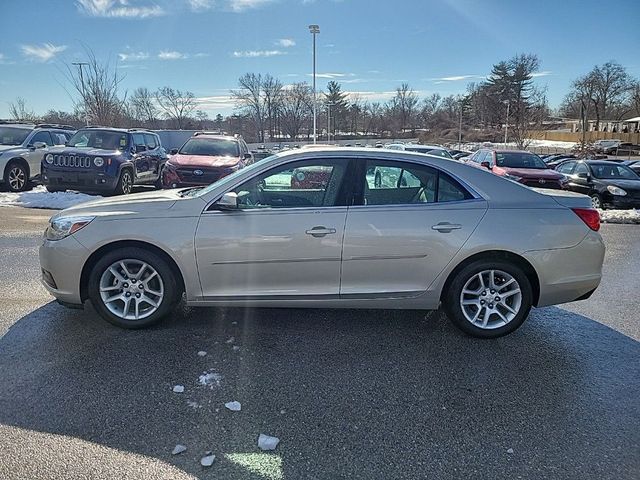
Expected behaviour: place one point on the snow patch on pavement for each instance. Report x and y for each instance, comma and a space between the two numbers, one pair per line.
210, 379
40, 198
233, 406
266, 442
620, 216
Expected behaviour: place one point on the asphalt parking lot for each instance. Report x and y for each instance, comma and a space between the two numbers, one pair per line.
350, 394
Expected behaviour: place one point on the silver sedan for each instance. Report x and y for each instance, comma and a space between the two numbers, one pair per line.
312, 228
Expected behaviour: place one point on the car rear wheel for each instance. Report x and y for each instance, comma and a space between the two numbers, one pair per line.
133, 288
489, 299
17, 177
125, 183
596, 201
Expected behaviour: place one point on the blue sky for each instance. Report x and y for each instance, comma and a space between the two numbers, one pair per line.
370, 46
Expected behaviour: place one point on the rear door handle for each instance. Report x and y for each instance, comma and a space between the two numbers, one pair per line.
446, 227
320, 231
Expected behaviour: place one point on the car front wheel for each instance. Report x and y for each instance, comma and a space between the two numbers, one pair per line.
125, 183
596, 201
132, 288
17, 177
489, 299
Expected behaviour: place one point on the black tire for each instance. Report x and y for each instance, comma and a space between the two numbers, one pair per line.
54, 190
596, 201
453, 309
125, 182
171, 296
158, 183
17, 177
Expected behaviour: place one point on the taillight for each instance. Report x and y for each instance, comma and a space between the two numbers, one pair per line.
589, 216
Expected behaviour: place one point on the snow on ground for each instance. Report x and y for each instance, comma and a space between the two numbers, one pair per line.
40, 198
620, 216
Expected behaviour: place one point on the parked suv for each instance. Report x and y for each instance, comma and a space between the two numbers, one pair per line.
109, 160
205, 158
523, 167
22, 148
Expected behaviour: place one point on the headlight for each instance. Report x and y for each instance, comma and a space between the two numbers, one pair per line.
613, 190
62, 227
515, 178
49, 158
98, 161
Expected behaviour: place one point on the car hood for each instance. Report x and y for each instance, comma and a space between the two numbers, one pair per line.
134, 204
624, 184
547, 174
4, 148
84, 151
203, 161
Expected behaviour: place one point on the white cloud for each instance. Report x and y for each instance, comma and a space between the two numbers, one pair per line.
286, 42
132, 56
542, 74
332, 75
118, 9
257, 53
201, 5
242, 5
171, 55
42, 53
455, 78
215, 102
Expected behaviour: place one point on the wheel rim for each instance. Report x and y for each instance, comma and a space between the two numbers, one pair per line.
126, 182
595, 202
131, 289
491, 299
17, 178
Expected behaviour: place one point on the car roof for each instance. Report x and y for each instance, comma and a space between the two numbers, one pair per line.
600, 162
506, 150
213, 136
18, 125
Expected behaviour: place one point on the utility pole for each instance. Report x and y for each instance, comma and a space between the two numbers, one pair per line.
84, 98
314, 29
460, 125
328, 122
506, 123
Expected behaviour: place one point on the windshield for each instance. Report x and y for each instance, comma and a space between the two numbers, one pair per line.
13, 135
210, 147
519, 160
621, 172
105, 139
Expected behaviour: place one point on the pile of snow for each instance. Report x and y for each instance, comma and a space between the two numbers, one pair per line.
620, 216
40, 198
210, 379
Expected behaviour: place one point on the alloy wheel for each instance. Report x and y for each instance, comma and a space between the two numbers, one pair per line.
17, 178
595, 202
131, 289
126, 183
491, 299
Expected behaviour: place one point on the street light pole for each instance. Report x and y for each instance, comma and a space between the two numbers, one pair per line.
84, 99
506, 124
314, 29
460, 126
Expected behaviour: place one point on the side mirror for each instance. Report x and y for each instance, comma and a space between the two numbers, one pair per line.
585, 176
247, 156
228, 201
486, 165
38, 145
173, 151
141, 148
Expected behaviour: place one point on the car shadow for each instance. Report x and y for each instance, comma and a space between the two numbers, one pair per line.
350, 393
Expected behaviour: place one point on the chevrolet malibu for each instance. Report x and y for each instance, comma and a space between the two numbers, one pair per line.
484, 247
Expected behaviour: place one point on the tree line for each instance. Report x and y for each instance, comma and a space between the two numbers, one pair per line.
266, 109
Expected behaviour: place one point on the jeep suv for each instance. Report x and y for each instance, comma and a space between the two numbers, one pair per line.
105, 160
22, 148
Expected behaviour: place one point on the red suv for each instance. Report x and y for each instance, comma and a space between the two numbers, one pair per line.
524, 167
204, 159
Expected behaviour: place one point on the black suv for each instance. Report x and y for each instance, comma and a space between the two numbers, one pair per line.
109, 160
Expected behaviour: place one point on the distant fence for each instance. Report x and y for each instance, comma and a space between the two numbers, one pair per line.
590, 136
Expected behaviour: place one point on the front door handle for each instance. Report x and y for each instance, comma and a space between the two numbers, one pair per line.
320, 231
446, 227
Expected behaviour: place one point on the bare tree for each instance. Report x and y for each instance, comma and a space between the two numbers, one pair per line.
403, 106
250, 100
202, 118
96, 90
18, 111
177, 105
143, 107
612, 85
272, 96
296, 108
